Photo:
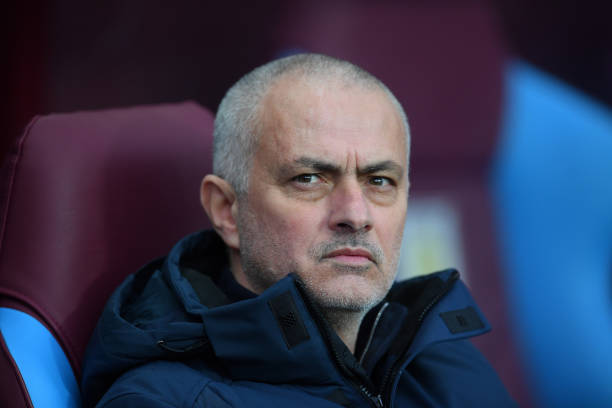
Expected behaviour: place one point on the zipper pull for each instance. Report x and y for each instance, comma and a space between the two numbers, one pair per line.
376, 400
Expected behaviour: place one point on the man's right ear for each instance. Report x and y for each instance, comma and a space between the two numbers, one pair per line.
221, 205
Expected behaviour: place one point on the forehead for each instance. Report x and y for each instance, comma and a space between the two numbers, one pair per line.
331, 119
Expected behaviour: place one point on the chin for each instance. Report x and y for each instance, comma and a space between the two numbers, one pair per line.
347, 292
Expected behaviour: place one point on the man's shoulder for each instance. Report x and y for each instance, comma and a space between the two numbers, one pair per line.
159, 383
165, 384
454, 374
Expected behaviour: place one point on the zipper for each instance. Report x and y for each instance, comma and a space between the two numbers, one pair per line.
374, 399
200, 345
378, 316
385, 386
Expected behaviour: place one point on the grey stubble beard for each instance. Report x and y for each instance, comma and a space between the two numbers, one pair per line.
261, 275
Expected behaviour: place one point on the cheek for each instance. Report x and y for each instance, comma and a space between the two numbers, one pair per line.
288, 226
391, 230
292, 218
299, 233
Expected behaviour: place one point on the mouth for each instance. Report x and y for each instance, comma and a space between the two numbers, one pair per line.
352, 256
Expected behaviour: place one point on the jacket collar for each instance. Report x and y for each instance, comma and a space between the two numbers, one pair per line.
250, 339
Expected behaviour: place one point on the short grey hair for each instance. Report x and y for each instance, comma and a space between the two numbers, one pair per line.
236, 128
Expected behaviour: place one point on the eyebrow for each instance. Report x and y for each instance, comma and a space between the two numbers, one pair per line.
385, 165
323, 166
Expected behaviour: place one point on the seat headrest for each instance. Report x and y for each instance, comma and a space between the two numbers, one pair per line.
87, 198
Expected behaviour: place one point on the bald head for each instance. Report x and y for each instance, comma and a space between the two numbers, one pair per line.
241, 115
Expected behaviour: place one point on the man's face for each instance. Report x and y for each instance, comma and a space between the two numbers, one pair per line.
327, 193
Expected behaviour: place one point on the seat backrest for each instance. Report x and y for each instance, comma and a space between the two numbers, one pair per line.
88, 198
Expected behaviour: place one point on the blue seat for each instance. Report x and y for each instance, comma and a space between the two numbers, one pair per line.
42, 363
553, 194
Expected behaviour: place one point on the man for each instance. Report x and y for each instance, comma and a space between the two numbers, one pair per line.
288, 301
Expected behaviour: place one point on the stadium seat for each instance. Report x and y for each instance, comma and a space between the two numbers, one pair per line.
86, 199
553, 197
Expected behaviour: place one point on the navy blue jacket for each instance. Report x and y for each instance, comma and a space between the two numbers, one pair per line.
169, 337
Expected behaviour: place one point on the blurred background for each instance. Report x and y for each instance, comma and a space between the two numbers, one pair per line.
509, 104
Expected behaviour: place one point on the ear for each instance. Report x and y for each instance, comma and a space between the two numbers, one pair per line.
219, 201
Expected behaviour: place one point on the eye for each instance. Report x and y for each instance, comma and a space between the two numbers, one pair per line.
380, 181
307, 179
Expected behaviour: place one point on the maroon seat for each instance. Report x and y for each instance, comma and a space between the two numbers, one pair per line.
89, 197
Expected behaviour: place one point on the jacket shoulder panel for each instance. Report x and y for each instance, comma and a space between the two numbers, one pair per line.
451, 374
160, 383
238, 394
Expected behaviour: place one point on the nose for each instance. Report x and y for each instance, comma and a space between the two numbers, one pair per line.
350, 210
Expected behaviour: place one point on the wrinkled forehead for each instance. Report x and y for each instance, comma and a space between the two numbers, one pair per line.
331, 117
311, 101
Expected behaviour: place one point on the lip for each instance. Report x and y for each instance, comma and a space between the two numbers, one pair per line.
350, 255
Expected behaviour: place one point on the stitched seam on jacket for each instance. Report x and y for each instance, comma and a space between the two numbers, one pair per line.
125, 394
199, 395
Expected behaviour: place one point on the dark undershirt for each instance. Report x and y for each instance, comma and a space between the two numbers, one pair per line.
232, 289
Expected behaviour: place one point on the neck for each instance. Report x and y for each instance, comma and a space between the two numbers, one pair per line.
239, 275
344, 322
346, 325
